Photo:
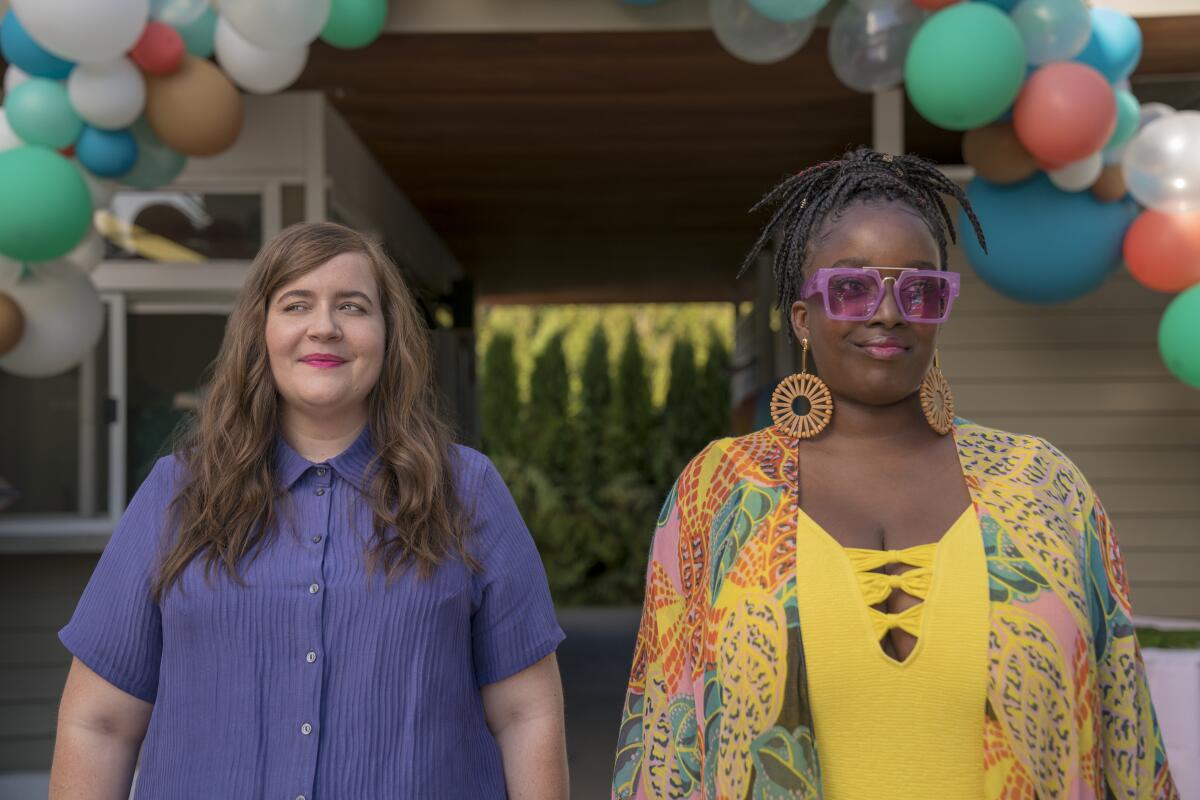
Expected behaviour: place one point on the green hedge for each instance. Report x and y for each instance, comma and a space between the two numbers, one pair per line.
586, 451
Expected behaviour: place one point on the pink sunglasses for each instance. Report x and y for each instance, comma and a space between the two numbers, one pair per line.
854, 294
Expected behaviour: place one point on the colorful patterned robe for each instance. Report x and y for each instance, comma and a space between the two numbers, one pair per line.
717, 703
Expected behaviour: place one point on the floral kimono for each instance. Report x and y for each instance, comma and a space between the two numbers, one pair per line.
717, 704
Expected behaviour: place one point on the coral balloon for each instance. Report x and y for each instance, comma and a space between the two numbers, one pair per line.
160, 51
934, 5
196, 111
997, 155
12, 323
1110, 186
1163, 250
1065, 112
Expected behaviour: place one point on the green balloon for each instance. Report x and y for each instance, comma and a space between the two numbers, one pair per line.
1129, 112
965, 66
199, 35
354, 23
157, 165
46, 208
40, 112
1178, 340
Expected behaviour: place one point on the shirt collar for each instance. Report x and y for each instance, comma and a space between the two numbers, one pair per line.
350, 464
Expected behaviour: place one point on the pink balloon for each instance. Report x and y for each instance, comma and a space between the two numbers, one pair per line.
160, 51
1065, 112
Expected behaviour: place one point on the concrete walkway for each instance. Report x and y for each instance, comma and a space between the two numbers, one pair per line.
595, 661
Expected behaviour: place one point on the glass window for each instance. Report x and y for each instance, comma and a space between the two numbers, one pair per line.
43, 441
169, 355
181, 227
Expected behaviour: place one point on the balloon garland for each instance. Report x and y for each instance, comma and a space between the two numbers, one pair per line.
101, 93
1073, 174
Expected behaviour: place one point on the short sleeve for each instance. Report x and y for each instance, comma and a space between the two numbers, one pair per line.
513, 625
116, 629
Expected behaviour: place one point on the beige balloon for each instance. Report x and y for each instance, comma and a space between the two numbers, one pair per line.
196, 111
12, 323
1110, 186
997, 155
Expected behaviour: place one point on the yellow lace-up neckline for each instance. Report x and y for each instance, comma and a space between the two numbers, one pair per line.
877, 587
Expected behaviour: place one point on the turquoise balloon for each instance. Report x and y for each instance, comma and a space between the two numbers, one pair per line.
40, 112
1129, 113
354, 23
788, 10
1177, 338
1044, 245
157, 165
51, 212
965, 66
199, 36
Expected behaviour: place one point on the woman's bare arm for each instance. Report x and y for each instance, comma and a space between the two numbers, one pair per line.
525, 714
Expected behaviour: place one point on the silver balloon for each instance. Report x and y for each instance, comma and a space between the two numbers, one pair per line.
1053, 30
177, 13
869, 42
1162, 165
752, 37
1147, 114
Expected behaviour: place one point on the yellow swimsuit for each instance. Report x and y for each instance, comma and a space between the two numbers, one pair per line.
888, 728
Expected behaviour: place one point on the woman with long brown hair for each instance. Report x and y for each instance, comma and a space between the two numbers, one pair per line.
318, 594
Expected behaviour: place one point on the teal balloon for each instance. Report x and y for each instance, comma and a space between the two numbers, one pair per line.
354, 23
788, 10
1044, 245
1177, 339
51, 212
1129, 114
965, 66
40, 112
157, 165
199, 36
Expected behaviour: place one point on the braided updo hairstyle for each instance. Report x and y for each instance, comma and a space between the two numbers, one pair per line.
804, 201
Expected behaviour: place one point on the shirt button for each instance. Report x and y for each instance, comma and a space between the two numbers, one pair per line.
311, 657
314, 588
321, 471
317, 539
300, 797
306, 729
320, 492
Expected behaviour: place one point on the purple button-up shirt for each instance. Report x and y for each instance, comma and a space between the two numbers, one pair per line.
317, 679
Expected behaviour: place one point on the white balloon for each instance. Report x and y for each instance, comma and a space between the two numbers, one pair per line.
14, 76
109, 96
868, 46
1053, 30
63, 321
1078, 175
88, 31
88, 254
8, 138
754, 38
277, 24
177, 13
256, 69
1162, 165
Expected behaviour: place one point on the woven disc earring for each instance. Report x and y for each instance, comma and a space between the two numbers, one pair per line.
937, 401
802, 387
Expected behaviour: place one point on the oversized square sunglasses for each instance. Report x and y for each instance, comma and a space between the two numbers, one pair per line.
854, 294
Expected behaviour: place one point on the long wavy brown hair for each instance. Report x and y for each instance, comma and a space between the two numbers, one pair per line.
230, 495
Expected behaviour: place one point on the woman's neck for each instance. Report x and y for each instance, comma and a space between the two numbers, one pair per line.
858, 425
321, 438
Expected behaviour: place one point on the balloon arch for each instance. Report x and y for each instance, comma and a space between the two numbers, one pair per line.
1073, 174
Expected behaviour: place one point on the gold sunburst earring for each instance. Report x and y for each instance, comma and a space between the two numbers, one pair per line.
937, 401
808, 388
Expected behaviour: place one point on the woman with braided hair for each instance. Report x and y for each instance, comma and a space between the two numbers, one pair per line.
872, 598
